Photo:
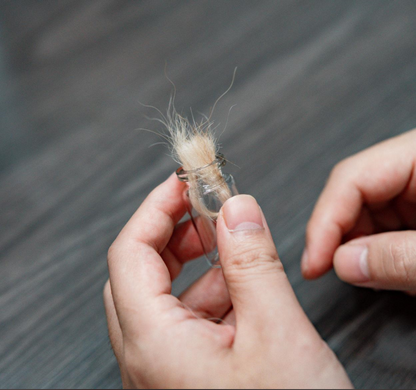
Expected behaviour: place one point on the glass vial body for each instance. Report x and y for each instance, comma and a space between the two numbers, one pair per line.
207, 197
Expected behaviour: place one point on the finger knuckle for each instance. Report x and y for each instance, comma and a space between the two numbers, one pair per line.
402, 262
255, 259
341, 168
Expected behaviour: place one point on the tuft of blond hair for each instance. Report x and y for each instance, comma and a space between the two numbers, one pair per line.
194, 147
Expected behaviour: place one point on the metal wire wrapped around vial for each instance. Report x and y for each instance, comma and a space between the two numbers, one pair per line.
204, 197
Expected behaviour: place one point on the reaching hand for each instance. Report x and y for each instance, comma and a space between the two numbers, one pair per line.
365, 220
264, 338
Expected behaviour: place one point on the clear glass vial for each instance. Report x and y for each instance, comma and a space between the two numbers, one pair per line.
207, 195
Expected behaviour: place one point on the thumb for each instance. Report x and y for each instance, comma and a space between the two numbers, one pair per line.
383, 261
254, 274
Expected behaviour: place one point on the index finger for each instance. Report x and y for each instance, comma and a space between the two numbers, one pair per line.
375, 175
137, 272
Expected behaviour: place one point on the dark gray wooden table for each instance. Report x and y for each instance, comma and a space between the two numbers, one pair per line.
316, 81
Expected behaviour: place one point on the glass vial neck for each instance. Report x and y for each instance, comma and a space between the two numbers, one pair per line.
184, 175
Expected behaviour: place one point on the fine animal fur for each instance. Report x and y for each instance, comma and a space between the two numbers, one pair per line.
194, 146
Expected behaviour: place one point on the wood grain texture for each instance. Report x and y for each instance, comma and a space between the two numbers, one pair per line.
316, 82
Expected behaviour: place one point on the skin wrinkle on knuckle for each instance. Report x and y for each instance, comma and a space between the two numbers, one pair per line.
401, 262
256, 259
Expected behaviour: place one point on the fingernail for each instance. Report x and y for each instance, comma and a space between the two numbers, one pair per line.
304, 262
352, 263
242, 213
363, 263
